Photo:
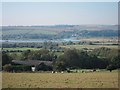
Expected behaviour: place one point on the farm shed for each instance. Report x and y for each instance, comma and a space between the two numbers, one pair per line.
35, 64
32, 62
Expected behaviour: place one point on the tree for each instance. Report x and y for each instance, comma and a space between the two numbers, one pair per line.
25, 54
70, 57
43, 67
116, 62
110, 67
73, 58
6, 59
59, 66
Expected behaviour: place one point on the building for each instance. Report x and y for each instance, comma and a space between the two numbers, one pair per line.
32, 63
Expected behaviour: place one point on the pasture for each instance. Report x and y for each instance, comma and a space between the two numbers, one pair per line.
101, 39
21, 49
90, 46
0, 80
102, 79
69, 46
28, 31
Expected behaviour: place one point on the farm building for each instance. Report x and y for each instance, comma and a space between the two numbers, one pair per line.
35, 64
32, 62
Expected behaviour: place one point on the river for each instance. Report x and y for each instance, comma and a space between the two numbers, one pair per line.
41, 41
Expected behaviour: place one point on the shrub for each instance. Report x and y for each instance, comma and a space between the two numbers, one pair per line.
110, 67
21, 68
7, 67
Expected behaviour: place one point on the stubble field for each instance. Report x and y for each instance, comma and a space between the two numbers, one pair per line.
60, 80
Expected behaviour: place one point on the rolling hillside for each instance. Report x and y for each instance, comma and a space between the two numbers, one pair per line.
57, 31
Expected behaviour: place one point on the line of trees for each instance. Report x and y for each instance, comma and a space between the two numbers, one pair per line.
71, 58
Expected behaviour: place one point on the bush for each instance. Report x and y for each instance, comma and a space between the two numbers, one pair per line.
6, 59
59, 66
110, 67
7, 67
21, 68
43, 67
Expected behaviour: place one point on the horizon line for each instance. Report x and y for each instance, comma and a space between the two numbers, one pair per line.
64, 25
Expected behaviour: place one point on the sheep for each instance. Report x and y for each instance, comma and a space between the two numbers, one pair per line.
53, 71
62, 72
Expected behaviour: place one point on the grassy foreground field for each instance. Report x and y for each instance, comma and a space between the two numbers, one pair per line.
0, 80
60, 80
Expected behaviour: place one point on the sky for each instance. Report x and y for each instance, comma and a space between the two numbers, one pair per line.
59, 0
57, 13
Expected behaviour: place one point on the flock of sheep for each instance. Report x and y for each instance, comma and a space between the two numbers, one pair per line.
82, 71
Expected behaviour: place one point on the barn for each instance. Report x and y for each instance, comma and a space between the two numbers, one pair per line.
35, 64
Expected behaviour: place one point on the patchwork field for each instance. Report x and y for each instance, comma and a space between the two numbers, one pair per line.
101, 39
28, 31
61, 80
90, 46
70, 46
21, 49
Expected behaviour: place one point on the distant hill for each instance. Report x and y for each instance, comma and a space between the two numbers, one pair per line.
57, 31
62, 27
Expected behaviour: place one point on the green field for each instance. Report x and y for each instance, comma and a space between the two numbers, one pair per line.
89, 46
70, 46
21, 49
61, 80
23, 32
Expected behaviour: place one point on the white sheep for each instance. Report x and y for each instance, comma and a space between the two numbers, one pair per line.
62, 72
